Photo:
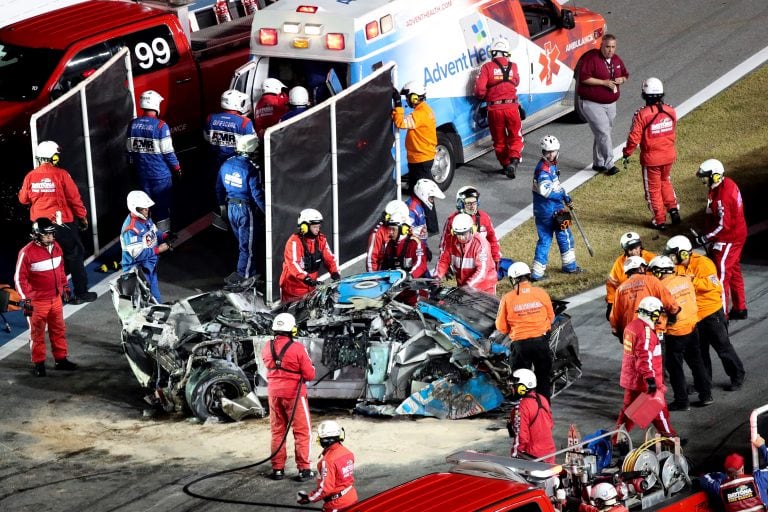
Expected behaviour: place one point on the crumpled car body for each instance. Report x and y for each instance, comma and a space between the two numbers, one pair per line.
395, 345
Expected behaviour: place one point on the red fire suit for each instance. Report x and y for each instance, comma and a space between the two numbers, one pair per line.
471, 262
50, 189
286, 385
628, 297
586, 507
335, 479
302, 257
376, 242
727, 229
268, 111
533, 424
40, 277
641, 361
497, 85
484, 226
406, 253
653, 129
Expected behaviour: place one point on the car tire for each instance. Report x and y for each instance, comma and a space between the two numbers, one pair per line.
444, 166
208, 384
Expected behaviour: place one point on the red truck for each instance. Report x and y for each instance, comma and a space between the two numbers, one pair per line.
486, 483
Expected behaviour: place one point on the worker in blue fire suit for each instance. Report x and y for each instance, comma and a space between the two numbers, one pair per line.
241, 199
548, 201
150, 150
223, 130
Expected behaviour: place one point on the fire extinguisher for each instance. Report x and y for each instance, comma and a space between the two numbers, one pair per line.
222, 11
250, 6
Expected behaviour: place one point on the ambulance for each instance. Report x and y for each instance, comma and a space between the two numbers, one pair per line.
327, 45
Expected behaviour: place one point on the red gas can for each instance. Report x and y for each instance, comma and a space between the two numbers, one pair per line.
645, 408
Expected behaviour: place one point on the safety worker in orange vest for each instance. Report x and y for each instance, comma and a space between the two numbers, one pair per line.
632, 245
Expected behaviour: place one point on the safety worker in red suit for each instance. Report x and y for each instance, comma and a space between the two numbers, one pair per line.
681, 338
469, 257
420, 204
289, 368
380, 234
335, 471
468, 201
604, 498
530, 423
42, 283
403, 251
150, 150
726, 231
713, 325
639, 284
632, 245
653, 129
738, 491
549, 199
641, 366
272, 105
421, 131
305, 251
496, 84
525, 316
52, 193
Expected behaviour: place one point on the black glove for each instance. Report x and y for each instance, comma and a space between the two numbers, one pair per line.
625, 161
302, 498
671, 318
572, 504
170, 237
397, 98
26, 307
700, 241
569, 202
65, 296
83, 223
651, 382
608, 308
511, 429
335, 276
309, 281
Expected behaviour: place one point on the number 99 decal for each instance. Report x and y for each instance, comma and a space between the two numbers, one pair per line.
149, 54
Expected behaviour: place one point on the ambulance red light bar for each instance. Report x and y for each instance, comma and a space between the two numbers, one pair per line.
268, 36
334, 41
307, 9
371, 29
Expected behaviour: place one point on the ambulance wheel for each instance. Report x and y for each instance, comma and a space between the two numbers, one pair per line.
208, 385
445, 161
577, 116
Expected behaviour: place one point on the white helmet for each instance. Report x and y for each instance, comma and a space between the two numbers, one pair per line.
629, 240
48, 151
284, 322
462, 223
653, 87
235, 100
518, 269
711, 172
298, 97
525, 377
678, 243
633, 263
426, 188
397, 219
248, 144
272, 86
329, 428
500, 46
138, 199
549, 143
604, 494
661, 265
650, 307
414, 87
310, 216
394, 206
150, 100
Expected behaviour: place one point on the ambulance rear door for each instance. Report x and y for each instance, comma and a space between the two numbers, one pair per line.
249, 77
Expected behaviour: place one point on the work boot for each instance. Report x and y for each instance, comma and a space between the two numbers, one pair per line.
38, 370
304, 475
83, 298
613, 170
660, 227
277, 474
674, 215
737, 314
679, 406
509, 172
703, 402
513, 165
65, 365
577, 270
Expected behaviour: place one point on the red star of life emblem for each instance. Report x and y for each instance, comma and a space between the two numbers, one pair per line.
548, 61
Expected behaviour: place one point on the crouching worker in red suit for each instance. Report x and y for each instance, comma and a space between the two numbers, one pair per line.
604, 498
335, 471
530, 423
289, 368
305, 251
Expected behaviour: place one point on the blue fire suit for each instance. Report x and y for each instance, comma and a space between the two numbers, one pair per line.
222, 131
238, 184
293, 112
548, 197
139, 239
150, 149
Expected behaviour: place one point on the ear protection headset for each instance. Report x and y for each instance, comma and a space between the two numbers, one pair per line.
682, 255
521, 388
294, 331
303, 228
715, 178
413, 98
55, 159
404, 229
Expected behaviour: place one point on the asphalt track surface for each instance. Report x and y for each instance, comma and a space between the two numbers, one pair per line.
688, 45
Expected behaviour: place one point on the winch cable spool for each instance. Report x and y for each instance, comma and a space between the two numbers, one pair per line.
187, 487
665, 469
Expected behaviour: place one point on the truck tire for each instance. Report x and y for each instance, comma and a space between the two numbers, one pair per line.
445, 161
576, 117
208, 384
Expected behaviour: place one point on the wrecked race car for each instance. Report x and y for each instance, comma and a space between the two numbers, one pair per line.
394, 344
